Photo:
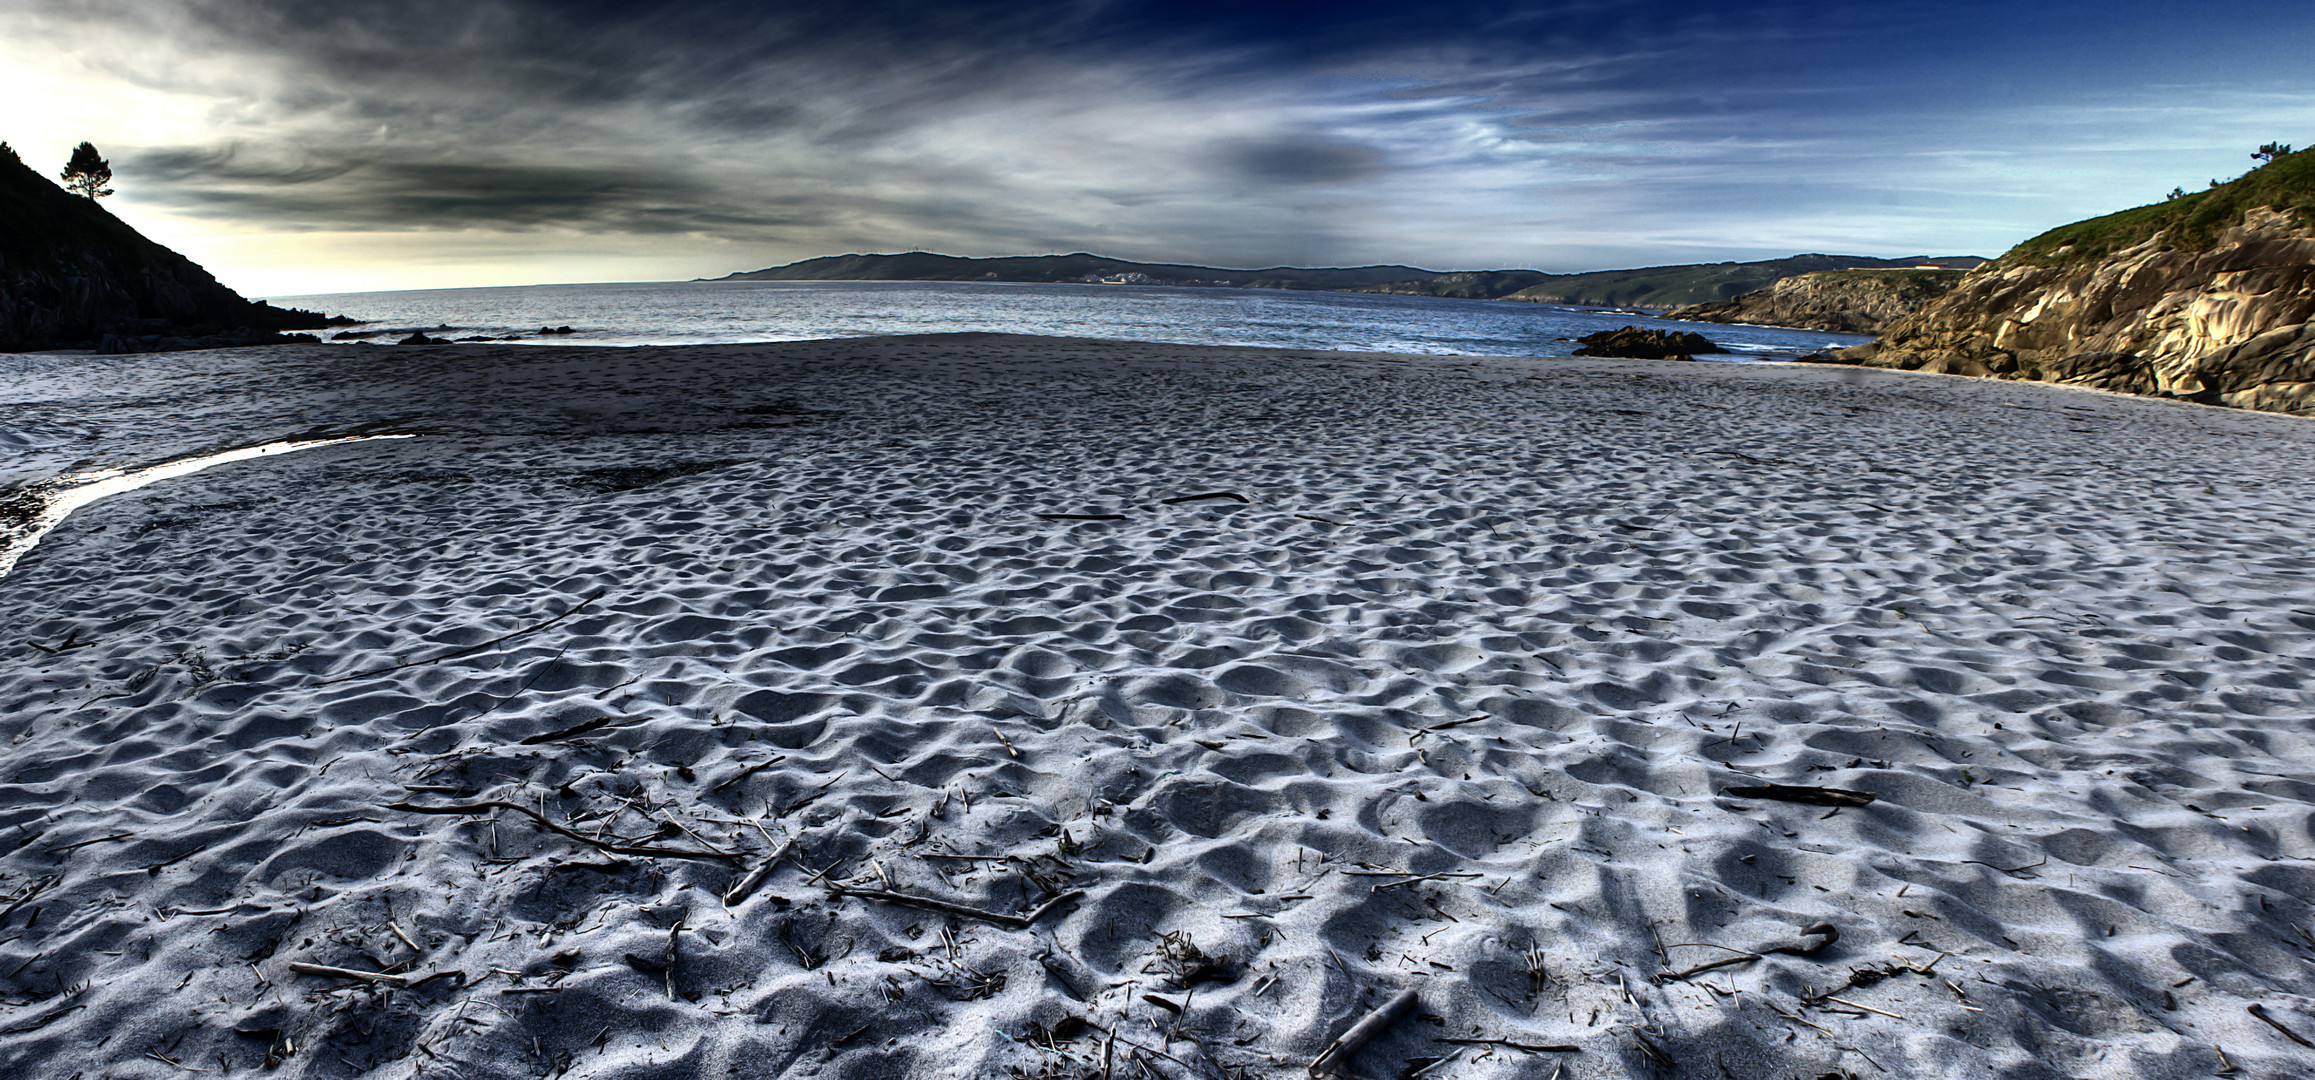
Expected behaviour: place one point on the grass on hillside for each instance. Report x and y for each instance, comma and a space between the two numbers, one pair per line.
1903, 276
2190, 221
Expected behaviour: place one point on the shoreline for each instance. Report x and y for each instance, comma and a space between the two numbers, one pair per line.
1263, 650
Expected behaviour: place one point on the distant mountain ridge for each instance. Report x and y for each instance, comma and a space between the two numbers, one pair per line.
1651, 287
1078, 267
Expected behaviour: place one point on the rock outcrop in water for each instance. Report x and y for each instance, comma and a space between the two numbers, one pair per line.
1631, 342
74, 276
2206, 297
1846, 301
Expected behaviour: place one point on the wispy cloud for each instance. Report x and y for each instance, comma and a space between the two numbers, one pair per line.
1562, 135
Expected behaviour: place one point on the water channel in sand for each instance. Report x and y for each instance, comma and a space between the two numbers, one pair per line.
58, 498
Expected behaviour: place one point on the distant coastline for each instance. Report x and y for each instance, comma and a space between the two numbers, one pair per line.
1650, 288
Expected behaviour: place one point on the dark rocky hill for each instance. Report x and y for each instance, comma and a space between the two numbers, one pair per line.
73, 276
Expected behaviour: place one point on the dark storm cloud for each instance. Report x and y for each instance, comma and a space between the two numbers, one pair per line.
1196, 129
1288, 161
391, 193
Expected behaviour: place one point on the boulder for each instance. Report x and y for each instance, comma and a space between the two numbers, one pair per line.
1634, 343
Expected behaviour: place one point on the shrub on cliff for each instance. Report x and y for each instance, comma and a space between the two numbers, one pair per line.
2285, 183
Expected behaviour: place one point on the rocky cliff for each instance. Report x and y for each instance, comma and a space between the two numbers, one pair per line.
1847, 301
1704, 283
74, 276
2206, 297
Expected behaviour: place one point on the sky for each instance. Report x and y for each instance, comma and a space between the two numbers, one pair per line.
306, 146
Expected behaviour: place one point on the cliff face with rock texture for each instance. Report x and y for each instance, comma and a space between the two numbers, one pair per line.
1846, 301
74, 276
2207, 298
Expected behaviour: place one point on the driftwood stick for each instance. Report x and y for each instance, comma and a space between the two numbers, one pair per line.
1339, 1052
2260, 1011
1016, 922
756, 877
1813, 940
615, 849
1532, 1048
575, 729
325, 970
1816, 796
1425, 877
1711, 965
748, 772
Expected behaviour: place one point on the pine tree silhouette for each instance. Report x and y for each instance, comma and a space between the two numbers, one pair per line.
87, 173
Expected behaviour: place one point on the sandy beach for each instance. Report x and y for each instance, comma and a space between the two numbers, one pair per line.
637, 716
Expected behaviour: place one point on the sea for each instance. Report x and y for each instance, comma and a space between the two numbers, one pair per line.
719, 312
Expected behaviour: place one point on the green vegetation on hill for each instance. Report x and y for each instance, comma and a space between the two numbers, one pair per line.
926, 266
2188, 221
1463, 285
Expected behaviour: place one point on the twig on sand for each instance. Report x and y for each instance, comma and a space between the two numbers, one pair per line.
1016, 922
1112, 1036
748, 772
1532, 1048
1815, 796
1425, 877
565, 733
1824, 933
379, 977
1710, 965
470, 649
1422, 731
757, 877
72, 640
1867, 1008
327, 971
1080, 517
615, 849
2260, 1011
1203, 495
2010, 869
62, 848
42, 1020
1339, 1052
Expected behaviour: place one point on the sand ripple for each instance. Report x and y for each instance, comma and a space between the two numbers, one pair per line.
1513, 625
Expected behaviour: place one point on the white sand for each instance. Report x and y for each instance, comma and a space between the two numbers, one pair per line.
2065, 637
